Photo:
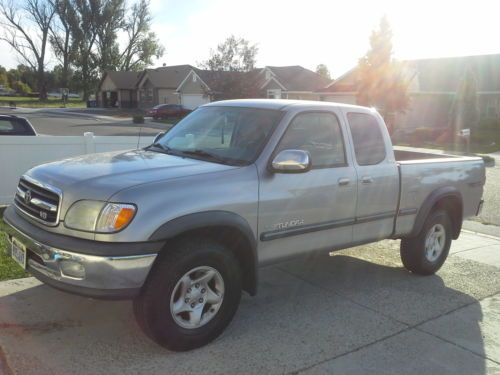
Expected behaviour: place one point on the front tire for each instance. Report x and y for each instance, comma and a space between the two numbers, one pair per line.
426, 253
191, 295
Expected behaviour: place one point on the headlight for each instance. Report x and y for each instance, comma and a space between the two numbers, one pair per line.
95, 216
83, 215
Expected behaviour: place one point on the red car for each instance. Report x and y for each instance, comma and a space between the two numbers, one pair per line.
168, 110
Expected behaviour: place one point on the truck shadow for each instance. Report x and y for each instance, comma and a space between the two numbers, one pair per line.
308, 311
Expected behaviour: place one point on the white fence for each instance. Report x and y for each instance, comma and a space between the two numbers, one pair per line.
20, 153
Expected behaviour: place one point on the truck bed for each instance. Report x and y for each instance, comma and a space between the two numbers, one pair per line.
405, 155
422, 173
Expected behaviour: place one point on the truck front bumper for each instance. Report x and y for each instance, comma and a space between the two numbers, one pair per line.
109, 276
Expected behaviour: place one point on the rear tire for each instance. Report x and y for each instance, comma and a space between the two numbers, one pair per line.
426, 253
190, 296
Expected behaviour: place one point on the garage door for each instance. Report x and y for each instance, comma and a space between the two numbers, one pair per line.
192, 101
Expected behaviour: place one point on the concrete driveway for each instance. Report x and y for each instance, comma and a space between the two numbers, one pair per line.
356, 312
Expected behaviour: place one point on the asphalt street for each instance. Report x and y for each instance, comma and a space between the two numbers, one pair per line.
356, 312
78, 121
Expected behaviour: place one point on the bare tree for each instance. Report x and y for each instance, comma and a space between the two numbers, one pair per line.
26, 26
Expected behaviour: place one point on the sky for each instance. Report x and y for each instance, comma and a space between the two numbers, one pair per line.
312, 32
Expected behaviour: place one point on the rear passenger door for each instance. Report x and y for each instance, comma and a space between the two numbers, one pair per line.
378, 179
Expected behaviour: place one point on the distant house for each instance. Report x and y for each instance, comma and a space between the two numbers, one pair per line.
192, 87
179, 84
291, 82
118, 89
433, 85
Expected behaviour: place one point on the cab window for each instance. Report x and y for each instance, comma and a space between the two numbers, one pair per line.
369, 146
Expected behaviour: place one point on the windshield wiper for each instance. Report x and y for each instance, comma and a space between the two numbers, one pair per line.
205, 154
158, 145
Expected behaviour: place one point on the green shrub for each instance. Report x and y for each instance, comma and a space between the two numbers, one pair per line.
21, 88
138, 119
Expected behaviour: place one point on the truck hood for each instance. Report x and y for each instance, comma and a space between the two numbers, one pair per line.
99, 176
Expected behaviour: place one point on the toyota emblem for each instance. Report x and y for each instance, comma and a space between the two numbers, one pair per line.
27, 196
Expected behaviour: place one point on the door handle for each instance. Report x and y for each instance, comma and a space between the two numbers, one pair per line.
366, 180
344, 181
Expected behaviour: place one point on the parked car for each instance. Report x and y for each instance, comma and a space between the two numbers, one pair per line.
13, 125
183, 225
168, 110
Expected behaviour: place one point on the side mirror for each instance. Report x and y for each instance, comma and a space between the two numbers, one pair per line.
291, 161
158, 136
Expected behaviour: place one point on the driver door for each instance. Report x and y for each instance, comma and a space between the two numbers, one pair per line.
313, 210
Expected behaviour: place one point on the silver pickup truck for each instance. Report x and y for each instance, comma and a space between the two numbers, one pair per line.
182, 226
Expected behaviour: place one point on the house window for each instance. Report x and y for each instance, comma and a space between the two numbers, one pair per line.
268, 74
194, 77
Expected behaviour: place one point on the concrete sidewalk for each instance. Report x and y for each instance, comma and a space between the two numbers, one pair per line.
356, 312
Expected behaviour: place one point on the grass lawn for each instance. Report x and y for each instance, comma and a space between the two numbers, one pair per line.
8, 268
22, 101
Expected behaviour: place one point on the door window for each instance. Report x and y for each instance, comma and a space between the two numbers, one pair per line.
320, 134
369, 145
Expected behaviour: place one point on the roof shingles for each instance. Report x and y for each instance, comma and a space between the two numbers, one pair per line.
297, 78
123, 80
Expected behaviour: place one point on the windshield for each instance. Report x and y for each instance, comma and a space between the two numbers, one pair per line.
229, 135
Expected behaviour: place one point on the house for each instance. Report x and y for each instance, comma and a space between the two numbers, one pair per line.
433, 86
179, 84
192, 87
118, 89
291, 82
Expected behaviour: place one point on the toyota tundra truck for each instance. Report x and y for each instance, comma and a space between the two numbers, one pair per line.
182, 226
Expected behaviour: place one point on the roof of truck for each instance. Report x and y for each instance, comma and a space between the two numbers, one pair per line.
279, 104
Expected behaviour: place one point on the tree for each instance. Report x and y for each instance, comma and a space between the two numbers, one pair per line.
93, 26
142, 44
323, 71
382, 81
464, 110
231, 68
464, 113
61, 39
232, 55
26, 27
110, 21
4, 78
82, 23
88, 39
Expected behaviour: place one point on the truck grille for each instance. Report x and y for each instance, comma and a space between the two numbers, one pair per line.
39, 201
